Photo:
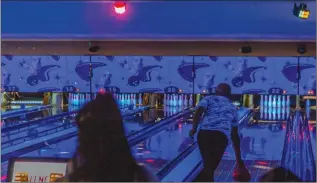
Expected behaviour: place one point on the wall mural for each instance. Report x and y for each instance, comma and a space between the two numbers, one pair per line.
132, 74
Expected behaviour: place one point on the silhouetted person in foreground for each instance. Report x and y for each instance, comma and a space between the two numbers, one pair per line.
103, 153
218, 118
279, 175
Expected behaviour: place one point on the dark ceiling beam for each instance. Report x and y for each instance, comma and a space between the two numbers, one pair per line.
155, 47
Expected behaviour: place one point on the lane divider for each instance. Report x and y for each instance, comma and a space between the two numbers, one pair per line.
47, 119
51, 138
14, 113
157, 127
43, 133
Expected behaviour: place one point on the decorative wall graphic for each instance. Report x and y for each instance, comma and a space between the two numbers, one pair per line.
246, 74
8, 57
40, 73
290, 71
156, 74
143, 75
213, 58
83, 69
185, 70
55, 57
262, 59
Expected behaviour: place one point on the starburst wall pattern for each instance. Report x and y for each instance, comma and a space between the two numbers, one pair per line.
131, 74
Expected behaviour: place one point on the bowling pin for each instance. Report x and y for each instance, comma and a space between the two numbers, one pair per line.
76, 99
176, 100
164, 101
79, 100
134, 99
119, 98
69, 98
274, 102
171, 100
88, 97
128, 99
283, 112
165, 110
265, 101
185, 100
180, 100
274, 113
283, 101
261, 110
83, 98
270, 113
191, 100
278, 113
125, 99
70, 102
279, 101
140, 99
270, 101
174, 110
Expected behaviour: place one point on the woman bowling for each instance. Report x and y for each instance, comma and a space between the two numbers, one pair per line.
218, 117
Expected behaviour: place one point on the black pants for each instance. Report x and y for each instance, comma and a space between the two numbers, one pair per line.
212, 144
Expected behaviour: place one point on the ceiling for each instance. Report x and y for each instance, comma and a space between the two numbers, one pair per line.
203, 20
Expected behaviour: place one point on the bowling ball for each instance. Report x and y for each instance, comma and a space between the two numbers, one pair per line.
241, 174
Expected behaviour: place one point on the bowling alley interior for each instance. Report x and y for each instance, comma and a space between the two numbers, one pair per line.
157, 86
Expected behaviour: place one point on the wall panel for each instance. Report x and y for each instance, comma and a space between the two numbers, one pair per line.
132, 74
308, 75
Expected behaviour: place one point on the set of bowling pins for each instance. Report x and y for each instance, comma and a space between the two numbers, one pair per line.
124, 99
79, 99
274, 107
178, 100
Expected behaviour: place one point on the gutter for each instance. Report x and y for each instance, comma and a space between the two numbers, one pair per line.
17, 112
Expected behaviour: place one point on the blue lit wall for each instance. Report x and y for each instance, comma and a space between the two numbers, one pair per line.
131, 74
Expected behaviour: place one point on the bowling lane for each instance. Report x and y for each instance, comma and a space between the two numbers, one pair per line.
38, 130
18, 109
263, 137
31, 116
67, 147
12, 108
260, 142
261, 148
156, 151
161, 148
